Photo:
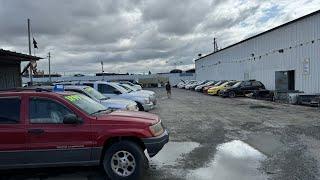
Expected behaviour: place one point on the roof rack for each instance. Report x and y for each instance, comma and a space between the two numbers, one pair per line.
37, 89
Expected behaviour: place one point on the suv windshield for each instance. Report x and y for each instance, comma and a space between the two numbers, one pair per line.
126, 88
85, 103
94, 93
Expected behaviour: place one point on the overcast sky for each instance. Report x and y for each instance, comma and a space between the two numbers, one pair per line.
137, 35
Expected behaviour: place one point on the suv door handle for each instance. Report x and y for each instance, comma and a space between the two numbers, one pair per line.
36, 131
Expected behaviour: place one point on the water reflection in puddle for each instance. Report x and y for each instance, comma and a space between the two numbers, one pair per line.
233, 160
171, 153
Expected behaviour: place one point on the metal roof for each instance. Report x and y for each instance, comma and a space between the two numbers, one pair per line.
252, 37
6, 54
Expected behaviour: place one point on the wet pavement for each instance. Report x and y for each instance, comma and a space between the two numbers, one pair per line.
216, 138
233, 160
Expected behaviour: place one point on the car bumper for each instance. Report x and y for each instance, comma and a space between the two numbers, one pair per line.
155, 144
154, 100
148, 107
212, 92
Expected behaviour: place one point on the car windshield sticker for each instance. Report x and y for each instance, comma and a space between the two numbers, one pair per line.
73, 98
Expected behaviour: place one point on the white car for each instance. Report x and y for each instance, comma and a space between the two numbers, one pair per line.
110, 103
134, 89
138, 87
181, 84
200, 87
113, 90
190, 83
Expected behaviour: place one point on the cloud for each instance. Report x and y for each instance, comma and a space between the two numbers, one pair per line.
137, 35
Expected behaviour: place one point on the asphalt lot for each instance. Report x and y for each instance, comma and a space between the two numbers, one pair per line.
217, 138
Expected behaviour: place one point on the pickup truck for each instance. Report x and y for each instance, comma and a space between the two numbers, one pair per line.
113, 90
40, 128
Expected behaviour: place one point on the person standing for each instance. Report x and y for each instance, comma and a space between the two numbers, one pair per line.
168, 89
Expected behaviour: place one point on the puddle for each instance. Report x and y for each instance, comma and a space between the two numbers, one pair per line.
171, 153
233, 160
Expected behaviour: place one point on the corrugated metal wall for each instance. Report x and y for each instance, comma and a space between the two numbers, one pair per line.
10, 76
300, 42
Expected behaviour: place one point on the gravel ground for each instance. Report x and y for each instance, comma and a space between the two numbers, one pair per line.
217, 138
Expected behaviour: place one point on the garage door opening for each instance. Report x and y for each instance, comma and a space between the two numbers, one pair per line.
285, 80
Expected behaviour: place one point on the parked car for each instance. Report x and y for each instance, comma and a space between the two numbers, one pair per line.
134, 89
49, 129
136, 86
111, 103
192, 87
241, 88
190, 84
181, 84
200, 87
217, 83
113, 90
216, 89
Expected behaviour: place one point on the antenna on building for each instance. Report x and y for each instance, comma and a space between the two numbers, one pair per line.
215, 45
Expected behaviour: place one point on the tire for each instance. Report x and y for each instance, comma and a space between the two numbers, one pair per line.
218, 92
232, 94
124, 160
140, 106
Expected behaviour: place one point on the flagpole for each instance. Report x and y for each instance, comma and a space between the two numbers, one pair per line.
30, 68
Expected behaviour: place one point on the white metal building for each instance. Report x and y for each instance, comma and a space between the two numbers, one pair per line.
284, 58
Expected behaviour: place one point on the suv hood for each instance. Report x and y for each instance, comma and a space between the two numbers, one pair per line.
132, 116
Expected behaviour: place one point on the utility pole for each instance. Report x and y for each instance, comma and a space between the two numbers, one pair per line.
215, 45
49, 56
30, 68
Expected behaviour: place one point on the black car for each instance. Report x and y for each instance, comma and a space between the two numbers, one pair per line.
241, 88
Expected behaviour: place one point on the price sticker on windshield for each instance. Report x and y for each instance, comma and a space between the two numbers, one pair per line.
73, 98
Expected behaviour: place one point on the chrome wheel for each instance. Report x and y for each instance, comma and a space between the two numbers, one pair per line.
123, 163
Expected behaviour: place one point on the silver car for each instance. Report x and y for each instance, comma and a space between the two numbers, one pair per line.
110, 103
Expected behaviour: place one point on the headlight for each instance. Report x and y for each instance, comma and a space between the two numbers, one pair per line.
132, 107
146, 100
156, 129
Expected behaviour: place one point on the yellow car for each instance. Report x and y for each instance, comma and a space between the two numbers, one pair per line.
215, 90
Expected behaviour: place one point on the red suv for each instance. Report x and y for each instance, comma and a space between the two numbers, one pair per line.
42, 129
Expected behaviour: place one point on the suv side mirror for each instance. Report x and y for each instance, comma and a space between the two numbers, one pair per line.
116, 92
71, 119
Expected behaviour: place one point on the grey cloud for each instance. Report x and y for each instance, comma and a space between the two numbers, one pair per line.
128, 35
175, 16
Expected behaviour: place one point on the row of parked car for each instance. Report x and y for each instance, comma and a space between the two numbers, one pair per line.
80, 124
114, 95
223, 88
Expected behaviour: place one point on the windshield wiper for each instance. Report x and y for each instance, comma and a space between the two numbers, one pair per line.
105, 98
101, 110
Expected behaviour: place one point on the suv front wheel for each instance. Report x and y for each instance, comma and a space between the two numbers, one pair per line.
124, 160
